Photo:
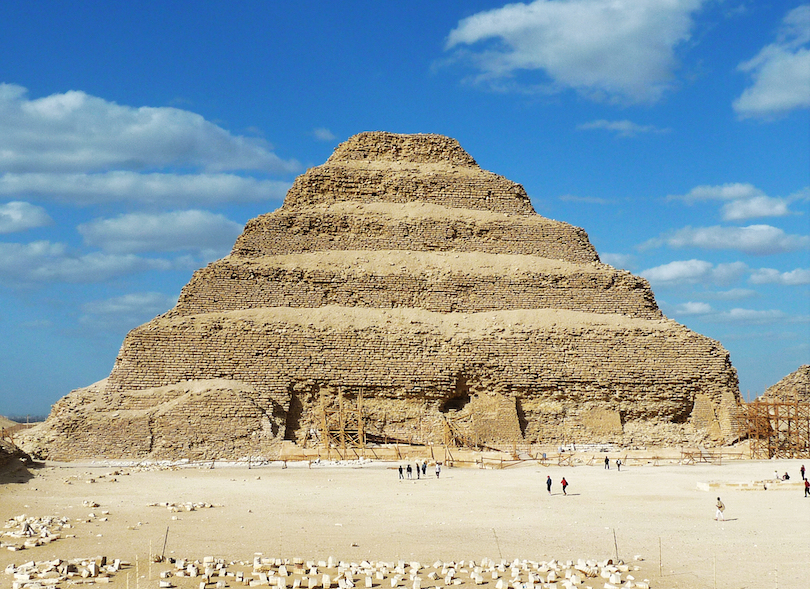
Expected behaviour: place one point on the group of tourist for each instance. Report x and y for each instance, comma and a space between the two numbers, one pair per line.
421, 470
618, 464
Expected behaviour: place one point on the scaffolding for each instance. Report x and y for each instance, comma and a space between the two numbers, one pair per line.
778, 429
341, 425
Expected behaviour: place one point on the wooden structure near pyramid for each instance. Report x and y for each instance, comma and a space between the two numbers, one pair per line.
778, 422
401, 275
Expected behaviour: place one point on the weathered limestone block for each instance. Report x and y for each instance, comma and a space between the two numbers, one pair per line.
794, 387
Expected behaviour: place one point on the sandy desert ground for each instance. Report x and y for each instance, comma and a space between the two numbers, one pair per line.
362, 511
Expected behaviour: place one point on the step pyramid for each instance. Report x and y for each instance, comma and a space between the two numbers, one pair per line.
402, 281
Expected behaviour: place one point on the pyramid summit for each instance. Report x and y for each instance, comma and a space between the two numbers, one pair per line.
401, 274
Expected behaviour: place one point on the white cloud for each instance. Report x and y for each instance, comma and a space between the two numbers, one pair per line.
693, 272
622, 48
772, 276
43, 261
618, 260
692, 308
127, 310
731, 191
155, 188
622, 128
731, 294
323, 134
780, 71
19, 216
76, 132
200, 231
744, 201
746, 316
759, 206
758, 240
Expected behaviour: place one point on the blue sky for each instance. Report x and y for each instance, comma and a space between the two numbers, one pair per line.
137, 138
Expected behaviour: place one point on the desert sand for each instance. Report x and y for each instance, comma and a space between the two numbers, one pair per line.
363, 511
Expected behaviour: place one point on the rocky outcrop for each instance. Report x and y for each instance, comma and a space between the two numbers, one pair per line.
401, 277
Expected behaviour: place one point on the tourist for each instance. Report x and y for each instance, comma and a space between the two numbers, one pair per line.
801, 470
424, 468
806, 487
619, 464
786, 477
607, 463
548, 484
438, 469
418, 471
720, 509
400, 472
564, 485
409, 470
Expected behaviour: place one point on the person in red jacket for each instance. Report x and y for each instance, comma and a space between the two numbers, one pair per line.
806, 487
564, 485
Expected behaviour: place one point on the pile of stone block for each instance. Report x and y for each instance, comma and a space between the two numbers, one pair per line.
58, 572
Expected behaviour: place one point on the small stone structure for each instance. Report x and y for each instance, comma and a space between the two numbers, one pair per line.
402, 273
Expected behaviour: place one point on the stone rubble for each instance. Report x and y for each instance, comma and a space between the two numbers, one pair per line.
58, 572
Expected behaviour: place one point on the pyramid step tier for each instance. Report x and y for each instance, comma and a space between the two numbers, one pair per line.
481, 190
442, 282
411, 226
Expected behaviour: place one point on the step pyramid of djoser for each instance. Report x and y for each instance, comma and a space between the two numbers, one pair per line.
434, 281
413, 226
556, 363
384, 167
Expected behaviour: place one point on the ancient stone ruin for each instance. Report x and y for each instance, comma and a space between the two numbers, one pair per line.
794, 387
401, 280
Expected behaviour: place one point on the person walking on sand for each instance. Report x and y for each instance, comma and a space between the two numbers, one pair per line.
607, 463
806, 488
418, 471
438, 469
619, 464
720, 509
400, 472
548, 484
564, 485
409, 470
424, 468
801, 470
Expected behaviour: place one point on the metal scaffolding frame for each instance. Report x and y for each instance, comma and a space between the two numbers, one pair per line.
778, 429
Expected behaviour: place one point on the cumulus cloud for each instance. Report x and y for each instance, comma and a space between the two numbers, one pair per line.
127, 310
19, 216
200, 231
620, 48
77, 132
758, 240
693, 272
44, 261
623, 128
743, 201
692, 308
323, 134
153, 189
780, 71
772, 276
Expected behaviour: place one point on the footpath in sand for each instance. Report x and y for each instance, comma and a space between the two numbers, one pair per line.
363, 512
